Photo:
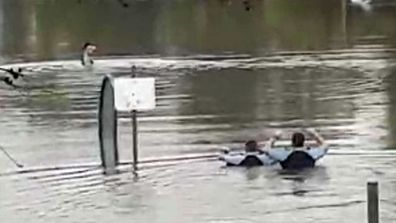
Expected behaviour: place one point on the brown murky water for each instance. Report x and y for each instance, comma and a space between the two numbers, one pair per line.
226, 71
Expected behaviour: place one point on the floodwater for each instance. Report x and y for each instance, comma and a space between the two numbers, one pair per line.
226, 71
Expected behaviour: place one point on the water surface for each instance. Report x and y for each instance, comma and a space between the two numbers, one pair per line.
225, 73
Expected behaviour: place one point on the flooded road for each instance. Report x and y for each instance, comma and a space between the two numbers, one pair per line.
225, 72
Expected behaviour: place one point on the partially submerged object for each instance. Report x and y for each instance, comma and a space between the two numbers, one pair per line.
12, 75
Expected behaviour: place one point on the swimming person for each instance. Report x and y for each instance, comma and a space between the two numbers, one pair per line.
87, 49
299, 155
253, 156
298, 140
252, 146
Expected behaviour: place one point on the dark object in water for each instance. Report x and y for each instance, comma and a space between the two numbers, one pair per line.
245, 159
251, 161
12, 76
298, 160
123, 3
107, 118
247, 5
9, 81
15, 73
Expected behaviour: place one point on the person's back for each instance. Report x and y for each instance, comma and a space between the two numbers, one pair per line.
298, 159
299, 156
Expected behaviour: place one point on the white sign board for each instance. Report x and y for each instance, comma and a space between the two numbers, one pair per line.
134, 94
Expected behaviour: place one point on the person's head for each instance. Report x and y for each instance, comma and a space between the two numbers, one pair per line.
251, 146
298, 139
89, 47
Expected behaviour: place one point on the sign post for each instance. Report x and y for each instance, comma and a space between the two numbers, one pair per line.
134, 138
133, 95
134, 129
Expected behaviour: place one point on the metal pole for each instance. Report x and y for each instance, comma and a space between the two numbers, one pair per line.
134, 138
372, 202
134, 131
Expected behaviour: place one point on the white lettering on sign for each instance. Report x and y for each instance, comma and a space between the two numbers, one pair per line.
134, 94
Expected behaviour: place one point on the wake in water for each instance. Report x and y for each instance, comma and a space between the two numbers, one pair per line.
346, 59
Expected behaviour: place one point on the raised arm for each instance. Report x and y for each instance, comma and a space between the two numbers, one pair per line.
271, 141
318, 138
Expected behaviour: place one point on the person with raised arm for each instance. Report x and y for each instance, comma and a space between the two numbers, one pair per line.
299, 155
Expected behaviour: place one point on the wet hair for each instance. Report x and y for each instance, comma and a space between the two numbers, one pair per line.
85, 59
251, 146
86, 45
298, 139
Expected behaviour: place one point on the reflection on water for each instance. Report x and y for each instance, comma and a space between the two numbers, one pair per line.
48, 30
224, 74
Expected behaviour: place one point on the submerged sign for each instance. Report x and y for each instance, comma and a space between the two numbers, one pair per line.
134, 94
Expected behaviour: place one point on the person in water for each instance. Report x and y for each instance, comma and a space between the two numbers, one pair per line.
300, 155
298, 140
87, 49
252, 146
